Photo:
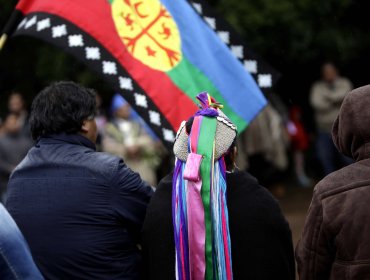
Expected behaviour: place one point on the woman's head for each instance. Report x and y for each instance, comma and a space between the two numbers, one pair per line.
231, 153
205, 149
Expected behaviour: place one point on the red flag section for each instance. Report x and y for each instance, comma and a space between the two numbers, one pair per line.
95, 18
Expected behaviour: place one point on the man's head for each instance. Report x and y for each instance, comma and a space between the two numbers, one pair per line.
16, 103
64, 107
329, 72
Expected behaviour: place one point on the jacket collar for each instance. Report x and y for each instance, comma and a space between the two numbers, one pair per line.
362, 152
75, 139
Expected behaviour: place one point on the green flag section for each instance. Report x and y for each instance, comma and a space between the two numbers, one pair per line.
192, 81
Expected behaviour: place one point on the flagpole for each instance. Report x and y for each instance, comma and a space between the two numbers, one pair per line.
10, 26
3, 39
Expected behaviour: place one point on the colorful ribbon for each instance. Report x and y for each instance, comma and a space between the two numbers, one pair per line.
199, 208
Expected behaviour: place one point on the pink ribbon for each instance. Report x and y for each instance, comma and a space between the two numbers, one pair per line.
195, 210
196, 231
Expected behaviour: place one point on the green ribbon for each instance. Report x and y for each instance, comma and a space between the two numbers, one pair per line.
205, 148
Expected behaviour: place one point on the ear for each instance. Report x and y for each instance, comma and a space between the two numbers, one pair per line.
85, 126
234, 154
231, 163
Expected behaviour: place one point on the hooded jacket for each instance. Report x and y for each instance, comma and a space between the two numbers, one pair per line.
335, 242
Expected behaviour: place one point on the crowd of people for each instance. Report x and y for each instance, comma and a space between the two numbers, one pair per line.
121, 132
278, 139
91, 215
272, 148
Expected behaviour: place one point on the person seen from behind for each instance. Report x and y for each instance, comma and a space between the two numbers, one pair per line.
80, 211
336, 237
126, 137
209, 220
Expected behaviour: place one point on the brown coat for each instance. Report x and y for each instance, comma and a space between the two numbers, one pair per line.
335, 242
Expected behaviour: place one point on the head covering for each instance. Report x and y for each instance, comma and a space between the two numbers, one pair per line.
350, 131
199, 208
117, 102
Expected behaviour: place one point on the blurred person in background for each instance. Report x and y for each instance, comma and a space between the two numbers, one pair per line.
326, 98
1, 125
264, 144
101, 121
81, 211
17, 105
14, 145
126, 137
335, 242
299, 140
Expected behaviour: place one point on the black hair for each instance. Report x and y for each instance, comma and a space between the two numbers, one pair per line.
61, 108
229, 156
16, 92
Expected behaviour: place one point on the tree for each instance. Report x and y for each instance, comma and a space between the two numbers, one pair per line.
300, 30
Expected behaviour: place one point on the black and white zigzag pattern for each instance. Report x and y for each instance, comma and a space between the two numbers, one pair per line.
64, 34
263, 73
72, 39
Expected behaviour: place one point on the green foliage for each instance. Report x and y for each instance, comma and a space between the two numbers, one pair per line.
296, 30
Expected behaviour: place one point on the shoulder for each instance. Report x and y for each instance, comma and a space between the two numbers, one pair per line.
160, 204
344, 81
241, 177
316, 92
104, 164
101, 159
106, 158
242, 182
349, 178
163, 191
251, 206
111, 127
316, 86
244, 192
165, 183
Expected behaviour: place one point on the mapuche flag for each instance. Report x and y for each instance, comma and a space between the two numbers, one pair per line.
158, 54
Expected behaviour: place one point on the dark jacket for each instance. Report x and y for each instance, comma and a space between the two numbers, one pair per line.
335, 242
261, 243
13, 148
80, 211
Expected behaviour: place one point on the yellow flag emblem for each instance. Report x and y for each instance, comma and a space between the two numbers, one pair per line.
148, 32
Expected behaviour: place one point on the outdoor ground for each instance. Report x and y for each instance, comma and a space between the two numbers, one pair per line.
295, 204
